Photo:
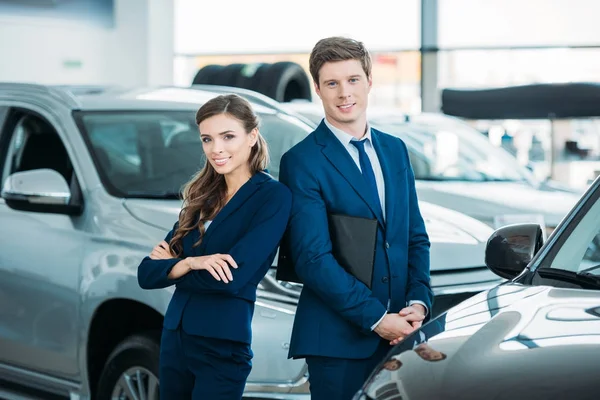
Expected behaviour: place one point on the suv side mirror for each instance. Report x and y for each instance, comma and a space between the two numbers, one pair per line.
39, 190
511, 248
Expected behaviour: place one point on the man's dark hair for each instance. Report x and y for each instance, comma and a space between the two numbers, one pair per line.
338, 48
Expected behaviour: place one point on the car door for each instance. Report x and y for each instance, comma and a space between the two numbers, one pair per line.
40, 255
271, 331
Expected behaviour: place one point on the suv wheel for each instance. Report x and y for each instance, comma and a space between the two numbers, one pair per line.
131, 371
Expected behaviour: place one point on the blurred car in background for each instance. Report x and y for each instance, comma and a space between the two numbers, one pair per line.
91, 181
457, 167
536, 336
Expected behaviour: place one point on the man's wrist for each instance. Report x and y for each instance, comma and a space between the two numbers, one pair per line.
376, 324
420, 307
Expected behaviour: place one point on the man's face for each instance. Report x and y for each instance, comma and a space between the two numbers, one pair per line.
392, 365
344, 90
429, 354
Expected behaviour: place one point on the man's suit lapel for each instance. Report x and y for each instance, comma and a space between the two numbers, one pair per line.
341, 160
394, 175
390, 174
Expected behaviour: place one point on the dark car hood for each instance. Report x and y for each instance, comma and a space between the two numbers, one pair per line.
510, 342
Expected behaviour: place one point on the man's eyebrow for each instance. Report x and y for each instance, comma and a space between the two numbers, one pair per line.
335, 80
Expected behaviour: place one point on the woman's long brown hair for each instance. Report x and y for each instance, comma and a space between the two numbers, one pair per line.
205, 194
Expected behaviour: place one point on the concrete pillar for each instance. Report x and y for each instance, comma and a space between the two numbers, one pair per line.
160, 42
430, 94
143, 42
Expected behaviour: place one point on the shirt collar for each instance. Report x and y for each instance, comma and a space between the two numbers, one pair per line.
346, 138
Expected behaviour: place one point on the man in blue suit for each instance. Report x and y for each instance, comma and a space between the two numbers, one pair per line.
342, 327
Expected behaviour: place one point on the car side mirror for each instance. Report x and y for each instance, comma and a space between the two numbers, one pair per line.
39, 190
511, 248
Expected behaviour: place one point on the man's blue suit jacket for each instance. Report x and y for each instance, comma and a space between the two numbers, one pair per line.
336, 311
249, 229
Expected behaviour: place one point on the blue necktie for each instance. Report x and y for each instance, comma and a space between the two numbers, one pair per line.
367, 171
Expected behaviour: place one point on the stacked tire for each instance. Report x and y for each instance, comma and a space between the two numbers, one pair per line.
282, 81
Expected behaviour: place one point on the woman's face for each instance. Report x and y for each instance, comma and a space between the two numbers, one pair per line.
226, 144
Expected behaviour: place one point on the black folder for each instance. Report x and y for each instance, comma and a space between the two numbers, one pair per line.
353, 242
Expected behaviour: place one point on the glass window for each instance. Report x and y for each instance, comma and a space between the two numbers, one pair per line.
469, 23
395, 26
3, 113
35, 144
153, 154
144, 154
503, 67
580, 250
591, 258
530, 141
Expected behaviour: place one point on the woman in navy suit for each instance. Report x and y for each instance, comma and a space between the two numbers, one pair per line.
233, 217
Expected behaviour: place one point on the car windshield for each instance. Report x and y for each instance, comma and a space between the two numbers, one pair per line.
449, 150
578, 248
152, 154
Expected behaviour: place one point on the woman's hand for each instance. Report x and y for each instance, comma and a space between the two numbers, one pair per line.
218, 265
162, 251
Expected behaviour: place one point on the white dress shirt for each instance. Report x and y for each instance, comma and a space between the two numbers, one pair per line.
345, 139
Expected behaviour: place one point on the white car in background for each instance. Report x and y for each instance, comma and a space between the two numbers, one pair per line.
457, 167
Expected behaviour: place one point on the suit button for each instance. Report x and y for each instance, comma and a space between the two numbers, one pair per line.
385, 279
387, 245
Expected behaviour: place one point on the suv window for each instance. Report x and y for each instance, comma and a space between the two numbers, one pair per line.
34, 144
153, 154
3, 114
3, 138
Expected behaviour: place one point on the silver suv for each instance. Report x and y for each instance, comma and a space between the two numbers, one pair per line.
90, 181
